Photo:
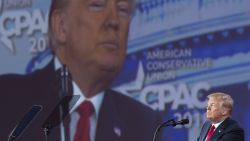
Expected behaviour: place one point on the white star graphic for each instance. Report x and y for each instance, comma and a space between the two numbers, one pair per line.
135, 85
7, 43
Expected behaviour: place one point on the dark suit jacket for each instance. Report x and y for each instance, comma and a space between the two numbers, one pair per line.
228, 130
120, 119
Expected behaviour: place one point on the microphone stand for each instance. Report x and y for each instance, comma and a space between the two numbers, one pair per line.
170, 122
167, 123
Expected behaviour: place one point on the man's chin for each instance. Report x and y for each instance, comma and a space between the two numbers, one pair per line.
107, 67
209, 118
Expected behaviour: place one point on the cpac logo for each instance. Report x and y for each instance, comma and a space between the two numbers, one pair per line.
176, 95
15, 24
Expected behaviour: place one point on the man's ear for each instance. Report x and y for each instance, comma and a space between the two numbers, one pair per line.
224, 112
58, 26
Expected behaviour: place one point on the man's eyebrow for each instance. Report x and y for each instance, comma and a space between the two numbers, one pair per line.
129, 1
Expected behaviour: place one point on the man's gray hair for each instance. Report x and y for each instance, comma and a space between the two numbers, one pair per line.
227, 101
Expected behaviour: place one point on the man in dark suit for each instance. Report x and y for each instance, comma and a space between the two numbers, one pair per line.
90, 38
220, 126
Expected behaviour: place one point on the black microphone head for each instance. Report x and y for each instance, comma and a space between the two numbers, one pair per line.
65, 82
184, 121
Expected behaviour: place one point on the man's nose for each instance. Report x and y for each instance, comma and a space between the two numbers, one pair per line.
113, 18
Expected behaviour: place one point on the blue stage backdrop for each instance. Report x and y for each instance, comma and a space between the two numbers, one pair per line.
179, 51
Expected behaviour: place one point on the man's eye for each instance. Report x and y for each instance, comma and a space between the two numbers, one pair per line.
96, 6
124, 8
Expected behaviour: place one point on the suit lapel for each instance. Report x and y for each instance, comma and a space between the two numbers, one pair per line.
220, 129
48, 85
109, 126
49, 77
39, 89
205, 131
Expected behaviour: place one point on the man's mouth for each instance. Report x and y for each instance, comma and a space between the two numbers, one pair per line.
110, 45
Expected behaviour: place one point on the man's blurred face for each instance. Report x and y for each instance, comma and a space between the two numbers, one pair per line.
96, 33
214, 110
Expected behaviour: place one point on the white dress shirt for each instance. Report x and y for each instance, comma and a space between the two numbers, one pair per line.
215, 126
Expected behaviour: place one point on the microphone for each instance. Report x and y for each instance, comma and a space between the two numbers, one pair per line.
170, 122
182, 122
29, 116
65, 81
174, 123
65, 89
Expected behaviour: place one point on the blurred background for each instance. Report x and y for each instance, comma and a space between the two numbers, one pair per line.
179, 51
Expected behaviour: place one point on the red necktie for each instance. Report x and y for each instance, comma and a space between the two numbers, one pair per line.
83, 125
210, 132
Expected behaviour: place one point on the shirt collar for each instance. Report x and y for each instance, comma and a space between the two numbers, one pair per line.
217, 124
95, 100
57, 63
